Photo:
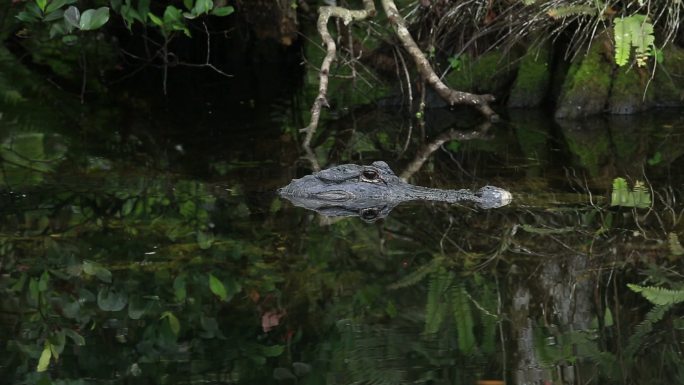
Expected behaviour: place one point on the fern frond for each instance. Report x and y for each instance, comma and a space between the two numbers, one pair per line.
571, 10
675, 246
463, 317
633, 31
488, 315
644, 328
435, 310
621, 34
587, 347
621, 195
658, 295
643, 39
416, 276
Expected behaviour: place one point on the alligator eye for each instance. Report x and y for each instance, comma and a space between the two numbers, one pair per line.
370, 175
369, 214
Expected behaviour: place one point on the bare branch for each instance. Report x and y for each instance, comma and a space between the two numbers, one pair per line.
324, 15
427, 150
481, 102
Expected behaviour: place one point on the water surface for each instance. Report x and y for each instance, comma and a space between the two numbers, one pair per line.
156, 251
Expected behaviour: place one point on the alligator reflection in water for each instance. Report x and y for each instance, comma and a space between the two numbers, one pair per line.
371, 192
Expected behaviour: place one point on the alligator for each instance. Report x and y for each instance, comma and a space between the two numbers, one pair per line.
371, 192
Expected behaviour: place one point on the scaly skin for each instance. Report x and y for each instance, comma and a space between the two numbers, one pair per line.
371, 192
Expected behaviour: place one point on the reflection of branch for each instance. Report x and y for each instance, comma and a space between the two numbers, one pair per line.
324, 14
431, 147
481, 102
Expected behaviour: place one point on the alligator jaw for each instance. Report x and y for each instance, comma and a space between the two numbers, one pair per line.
492, 197
487, 197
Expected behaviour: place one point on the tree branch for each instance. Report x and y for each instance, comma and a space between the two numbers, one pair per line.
427, 150
481, 102
324, 14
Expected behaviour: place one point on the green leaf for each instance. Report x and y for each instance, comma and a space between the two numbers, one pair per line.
217, 287
188, 4
222, 11
608, 318
93, 268
128, 206
655, 159
658, 295
436, 306
453, 146
639, 196
174, 324
188, 209
34, 292
44, 360
94, 18
621, 33
26, 17
57, 342
54, 16
70, 39
633, 31
276, 204
204, 240
110, 300
44, 281
464, 319
72, 16
19, 285
173, 15
179, 289
41, 4
116, 5
675, 246
455, 62
71, 309
75, 337
34, 10
130, 15
202, 7
155, 19
143, 7
273, 350
136, 307
57, 4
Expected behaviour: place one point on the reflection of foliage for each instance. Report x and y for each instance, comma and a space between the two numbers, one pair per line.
638, 197
394, 355
449, 298
130, 278
26, 157
647, 355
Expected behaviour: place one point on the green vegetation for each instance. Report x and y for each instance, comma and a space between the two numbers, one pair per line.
639, 196
633, 31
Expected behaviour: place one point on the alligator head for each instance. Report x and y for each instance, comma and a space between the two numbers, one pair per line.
371, 192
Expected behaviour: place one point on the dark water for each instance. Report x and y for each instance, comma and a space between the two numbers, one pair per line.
152, 248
